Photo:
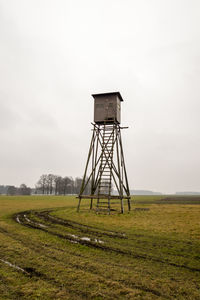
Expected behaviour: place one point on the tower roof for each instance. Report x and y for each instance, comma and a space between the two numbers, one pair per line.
108, 94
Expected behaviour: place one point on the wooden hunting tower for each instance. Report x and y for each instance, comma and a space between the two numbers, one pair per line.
106, 158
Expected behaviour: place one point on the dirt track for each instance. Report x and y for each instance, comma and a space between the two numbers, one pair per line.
85, 235
54, 242
46, 223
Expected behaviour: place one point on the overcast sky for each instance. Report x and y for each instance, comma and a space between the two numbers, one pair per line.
55, 53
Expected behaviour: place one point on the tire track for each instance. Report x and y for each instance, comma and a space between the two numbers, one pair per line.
46, 223
88, 242
127, 284
31, 272
81, 227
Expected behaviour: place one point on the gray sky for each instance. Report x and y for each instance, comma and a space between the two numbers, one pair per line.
54, 54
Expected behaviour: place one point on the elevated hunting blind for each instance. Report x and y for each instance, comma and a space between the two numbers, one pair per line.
107, 108
107, 179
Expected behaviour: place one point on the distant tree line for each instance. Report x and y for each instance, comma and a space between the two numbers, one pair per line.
22, 190
50, 184
3, 189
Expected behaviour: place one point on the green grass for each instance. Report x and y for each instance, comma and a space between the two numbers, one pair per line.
150, 254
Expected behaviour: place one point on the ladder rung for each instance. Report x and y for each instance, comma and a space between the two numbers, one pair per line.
105, 167
109, 159
105, 180
104, 186
106, 159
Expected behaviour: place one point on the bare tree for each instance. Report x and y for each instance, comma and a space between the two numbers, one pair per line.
77, 185
67, 185
12, 190
41, 184
50, 183
58, 185
24, 190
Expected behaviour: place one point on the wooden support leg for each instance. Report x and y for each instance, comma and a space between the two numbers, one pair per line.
91, 203
122, 206
129, 205
97, 206
109, 206
79, 203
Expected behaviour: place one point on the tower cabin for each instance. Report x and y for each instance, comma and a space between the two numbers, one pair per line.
107, 108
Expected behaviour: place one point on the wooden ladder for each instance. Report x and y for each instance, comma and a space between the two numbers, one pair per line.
105, 181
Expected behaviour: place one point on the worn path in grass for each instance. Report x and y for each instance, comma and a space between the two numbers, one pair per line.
48, 251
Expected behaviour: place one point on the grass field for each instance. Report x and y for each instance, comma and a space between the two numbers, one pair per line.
49, 251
